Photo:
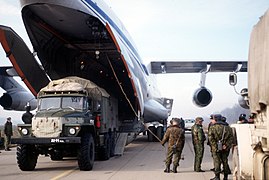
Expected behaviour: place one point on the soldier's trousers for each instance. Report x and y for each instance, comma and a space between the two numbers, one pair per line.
221, 158
199, 153
170, 154
7, 141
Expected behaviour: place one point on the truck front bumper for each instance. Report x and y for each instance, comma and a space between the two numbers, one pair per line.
33, 140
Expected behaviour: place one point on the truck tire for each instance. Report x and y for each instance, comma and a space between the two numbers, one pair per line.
151, 137
104, 153
26, 157
159, 132
112, 144
86, 153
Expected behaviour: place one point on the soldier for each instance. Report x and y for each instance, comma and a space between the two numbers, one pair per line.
223, 119
221, 139
27, 116
176, 138
212, 121
251, 118
182, 123
242, 119
198, 139
8, 133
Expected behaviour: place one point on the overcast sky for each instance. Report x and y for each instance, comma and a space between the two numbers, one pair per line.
178, 30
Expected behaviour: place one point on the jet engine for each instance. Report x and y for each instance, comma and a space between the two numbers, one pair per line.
202, 97
17, 101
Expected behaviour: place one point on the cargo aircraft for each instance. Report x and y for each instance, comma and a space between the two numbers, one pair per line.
84, 38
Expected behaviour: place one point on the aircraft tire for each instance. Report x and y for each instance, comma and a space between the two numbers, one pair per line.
26, 157
86, 152
159, 132
151, 137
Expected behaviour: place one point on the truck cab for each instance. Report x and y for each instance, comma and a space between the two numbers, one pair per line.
74, 118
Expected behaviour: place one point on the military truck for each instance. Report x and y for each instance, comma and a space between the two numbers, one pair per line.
74, 117
251, 150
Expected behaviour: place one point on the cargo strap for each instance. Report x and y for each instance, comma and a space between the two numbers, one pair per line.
122, 90
115, 75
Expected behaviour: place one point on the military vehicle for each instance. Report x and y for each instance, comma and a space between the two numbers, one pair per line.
251, 150
188, 124
74, 117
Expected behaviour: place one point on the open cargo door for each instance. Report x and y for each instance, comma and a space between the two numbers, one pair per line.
22, 60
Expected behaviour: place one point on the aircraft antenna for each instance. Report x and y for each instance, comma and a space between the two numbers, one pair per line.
122, 90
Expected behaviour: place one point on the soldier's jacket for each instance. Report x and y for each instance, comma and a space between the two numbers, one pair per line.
27, 117
215, 134
198, 135
173, 135
8, 129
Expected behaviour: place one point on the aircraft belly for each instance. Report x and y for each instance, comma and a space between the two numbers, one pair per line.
74, 4
154, 111
129, 56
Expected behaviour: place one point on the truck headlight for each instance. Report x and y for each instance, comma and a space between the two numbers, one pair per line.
72, 131
24, 131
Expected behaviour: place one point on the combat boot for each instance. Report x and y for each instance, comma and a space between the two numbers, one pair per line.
175, 169
217, 177
167, 169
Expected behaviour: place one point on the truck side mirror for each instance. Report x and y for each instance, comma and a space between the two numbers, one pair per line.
233, 79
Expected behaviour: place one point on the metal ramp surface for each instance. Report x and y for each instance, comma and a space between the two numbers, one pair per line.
120, 143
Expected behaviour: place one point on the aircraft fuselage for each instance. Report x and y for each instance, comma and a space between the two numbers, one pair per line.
84, 38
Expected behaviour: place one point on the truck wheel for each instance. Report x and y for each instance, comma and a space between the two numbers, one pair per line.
26, 157
112, 145
86, 153
159, 132
104, 153
151, 138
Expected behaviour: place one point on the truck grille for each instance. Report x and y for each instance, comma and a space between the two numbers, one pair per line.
46, 127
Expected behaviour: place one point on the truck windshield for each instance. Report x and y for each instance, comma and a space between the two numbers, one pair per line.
72, 102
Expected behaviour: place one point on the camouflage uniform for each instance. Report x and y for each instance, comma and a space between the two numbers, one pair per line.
198, 139
173, 135
8, 133
214, 135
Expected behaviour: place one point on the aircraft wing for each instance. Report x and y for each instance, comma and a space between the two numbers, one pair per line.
202, 96
197, 66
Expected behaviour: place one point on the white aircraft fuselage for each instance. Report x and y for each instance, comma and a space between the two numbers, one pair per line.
85, 38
